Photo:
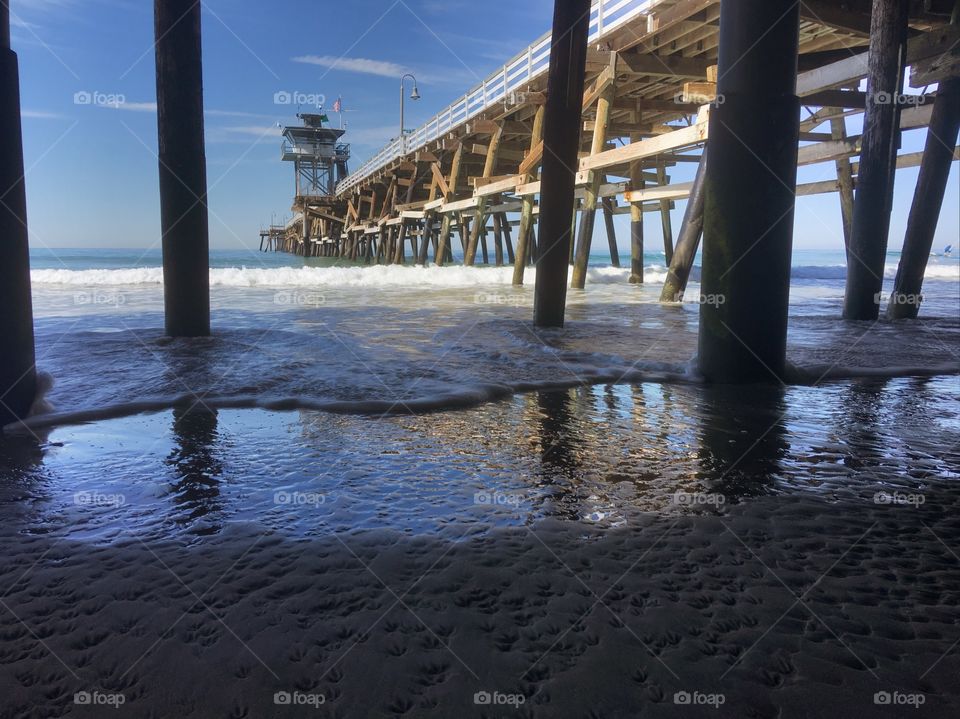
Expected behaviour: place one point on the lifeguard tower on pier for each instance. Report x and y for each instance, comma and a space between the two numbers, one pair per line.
319, 158
319, 162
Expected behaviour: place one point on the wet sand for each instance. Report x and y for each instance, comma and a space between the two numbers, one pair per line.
782, 607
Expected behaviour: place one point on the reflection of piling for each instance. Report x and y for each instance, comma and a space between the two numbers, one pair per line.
741, 458
749, 193
874, 197
198, 470
688, 241
183, 174
17, 370
561, 140
927, 201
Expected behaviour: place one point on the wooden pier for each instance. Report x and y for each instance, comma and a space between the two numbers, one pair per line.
471, 175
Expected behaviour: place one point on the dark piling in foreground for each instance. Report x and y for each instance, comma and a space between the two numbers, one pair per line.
561, 139
749, 193
17, 361
183, 173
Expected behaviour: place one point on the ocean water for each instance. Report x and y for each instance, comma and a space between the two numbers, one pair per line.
327, 335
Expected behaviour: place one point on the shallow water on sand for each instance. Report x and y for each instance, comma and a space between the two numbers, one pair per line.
600, 455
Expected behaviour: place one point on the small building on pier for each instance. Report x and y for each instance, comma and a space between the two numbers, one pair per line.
320, 161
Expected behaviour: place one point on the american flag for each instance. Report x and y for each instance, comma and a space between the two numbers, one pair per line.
338, 105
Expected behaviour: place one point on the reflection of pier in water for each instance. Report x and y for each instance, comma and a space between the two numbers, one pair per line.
595, 452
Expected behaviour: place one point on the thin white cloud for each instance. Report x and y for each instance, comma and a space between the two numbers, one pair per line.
253, 130
135, 106
41, 115
41, 5
120, 103
366, 66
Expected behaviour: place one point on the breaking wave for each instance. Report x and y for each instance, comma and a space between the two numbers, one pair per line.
402, 276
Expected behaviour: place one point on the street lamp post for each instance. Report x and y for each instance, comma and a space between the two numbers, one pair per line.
415, 95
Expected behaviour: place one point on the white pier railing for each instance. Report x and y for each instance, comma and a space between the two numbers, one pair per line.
504, 86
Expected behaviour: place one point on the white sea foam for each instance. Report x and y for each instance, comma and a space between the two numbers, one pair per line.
401, 276
373, 276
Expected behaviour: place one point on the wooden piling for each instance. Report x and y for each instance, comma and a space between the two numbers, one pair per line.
425, 241
402, 230
636, 227
183, 174
906, 297
524, 245
561, 140
666, 223
455, 168
873, 199
480, 218
607, 203
597, 145
507, 239
18, 379
688, 241
750, 194
838, 131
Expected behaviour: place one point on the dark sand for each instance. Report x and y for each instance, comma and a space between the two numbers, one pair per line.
787, 607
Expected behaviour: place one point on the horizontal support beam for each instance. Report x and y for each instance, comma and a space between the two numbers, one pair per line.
648, 148
665, 65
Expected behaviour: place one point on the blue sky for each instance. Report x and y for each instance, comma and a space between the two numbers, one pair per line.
92, 169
